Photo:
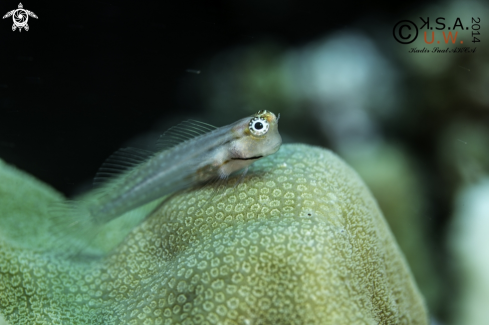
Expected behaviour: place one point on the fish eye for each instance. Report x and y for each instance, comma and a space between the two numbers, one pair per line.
258, 126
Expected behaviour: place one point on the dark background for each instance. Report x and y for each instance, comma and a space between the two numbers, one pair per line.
88, 76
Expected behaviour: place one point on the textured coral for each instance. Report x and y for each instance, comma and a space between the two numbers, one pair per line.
397, 184
300, 241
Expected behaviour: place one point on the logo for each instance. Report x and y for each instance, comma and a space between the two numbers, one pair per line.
403, 36
406, 32
20, 17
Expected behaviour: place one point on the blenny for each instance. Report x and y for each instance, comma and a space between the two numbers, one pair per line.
188, 154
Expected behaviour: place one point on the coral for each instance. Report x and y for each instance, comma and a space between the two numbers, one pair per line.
299, 241
397, 184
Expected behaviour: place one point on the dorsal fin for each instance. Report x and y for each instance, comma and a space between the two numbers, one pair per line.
182, 132
119, 162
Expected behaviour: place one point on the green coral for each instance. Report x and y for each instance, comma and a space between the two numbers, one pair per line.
301, 240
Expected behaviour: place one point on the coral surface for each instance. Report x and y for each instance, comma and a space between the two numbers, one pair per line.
299, 241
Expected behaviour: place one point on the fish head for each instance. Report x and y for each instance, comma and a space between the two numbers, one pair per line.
256, 136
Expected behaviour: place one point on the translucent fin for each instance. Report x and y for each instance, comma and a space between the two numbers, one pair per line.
218, 187
76, 235
72, 228
222, 186
240, 180
119, 162
182, 132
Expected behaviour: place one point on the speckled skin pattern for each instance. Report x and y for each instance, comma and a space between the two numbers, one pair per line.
299, 241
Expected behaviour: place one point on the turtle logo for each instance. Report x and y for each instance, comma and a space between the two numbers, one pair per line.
20, 17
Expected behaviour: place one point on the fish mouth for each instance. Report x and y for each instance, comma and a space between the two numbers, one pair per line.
249, 158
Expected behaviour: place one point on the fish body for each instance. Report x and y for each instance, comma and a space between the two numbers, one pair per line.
212, 155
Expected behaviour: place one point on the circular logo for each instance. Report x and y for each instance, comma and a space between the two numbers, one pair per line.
20, 17
405, 32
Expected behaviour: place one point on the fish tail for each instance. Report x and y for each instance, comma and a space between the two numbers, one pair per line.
73, 228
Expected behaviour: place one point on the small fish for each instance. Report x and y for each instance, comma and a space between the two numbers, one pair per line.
192, 152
